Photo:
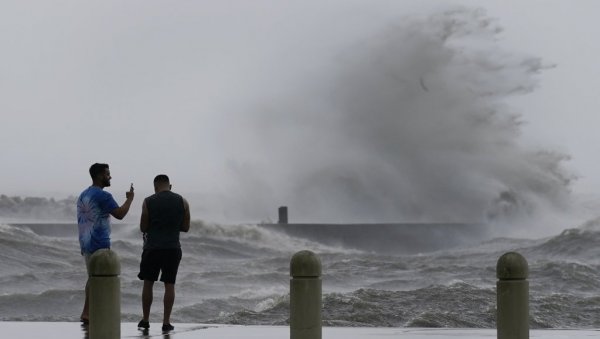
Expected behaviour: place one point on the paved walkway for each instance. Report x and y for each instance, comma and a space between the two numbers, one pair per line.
51, 330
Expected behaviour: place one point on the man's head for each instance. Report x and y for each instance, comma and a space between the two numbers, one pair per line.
162, 183
100, 175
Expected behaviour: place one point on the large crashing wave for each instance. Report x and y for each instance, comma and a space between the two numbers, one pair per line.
414, 125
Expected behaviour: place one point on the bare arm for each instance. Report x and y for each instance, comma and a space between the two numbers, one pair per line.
121, 212
186, 217
144, 224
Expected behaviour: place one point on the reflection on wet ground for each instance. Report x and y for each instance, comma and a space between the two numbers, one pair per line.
145, 333
72, 330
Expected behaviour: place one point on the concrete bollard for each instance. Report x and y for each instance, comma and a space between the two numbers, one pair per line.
305, 296
105, 295
512, 297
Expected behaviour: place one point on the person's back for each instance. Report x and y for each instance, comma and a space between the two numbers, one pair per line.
166, 212
164, 215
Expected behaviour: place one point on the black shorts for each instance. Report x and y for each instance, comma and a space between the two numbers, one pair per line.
160, 260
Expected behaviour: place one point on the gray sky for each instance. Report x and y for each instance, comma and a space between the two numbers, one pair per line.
234, 101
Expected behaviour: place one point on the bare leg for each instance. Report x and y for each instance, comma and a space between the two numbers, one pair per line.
168, 301
147, 298
85, 314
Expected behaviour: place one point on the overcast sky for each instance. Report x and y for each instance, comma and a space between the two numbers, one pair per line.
228, 97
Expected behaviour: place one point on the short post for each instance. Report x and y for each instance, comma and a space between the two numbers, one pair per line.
305, 296
512, 297
105, 295
283, 215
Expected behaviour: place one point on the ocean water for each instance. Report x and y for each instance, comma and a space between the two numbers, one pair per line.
239, 274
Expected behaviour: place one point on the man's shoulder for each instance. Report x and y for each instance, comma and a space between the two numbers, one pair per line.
95, 193
164, 193
100, 192
88, 192
85, 191
164, 197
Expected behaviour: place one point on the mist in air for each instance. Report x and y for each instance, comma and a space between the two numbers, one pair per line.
371, 117
412, 124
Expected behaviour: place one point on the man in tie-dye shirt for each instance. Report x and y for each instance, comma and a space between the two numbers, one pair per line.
94, 208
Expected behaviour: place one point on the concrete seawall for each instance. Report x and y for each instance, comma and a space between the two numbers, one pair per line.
400, 238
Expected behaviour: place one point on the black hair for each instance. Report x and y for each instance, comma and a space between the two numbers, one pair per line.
161, 178
97, 169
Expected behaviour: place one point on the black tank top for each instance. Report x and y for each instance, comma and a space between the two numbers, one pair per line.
165, 218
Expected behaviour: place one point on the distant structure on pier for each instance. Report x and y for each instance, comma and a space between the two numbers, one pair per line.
392, 238
283, 215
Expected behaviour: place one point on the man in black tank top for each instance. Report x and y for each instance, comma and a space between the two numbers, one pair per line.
164, 215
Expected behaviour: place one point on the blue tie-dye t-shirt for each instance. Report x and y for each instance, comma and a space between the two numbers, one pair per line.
93, 217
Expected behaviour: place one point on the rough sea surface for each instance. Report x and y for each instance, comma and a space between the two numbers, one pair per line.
239, 274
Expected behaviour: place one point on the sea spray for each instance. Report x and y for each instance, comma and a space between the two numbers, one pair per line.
412, 124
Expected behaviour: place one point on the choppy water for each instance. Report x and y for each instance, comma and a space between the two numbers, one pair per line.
239, 274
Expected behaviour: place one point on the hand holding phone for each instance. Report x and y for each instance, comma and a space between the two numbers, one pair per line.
130, 193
